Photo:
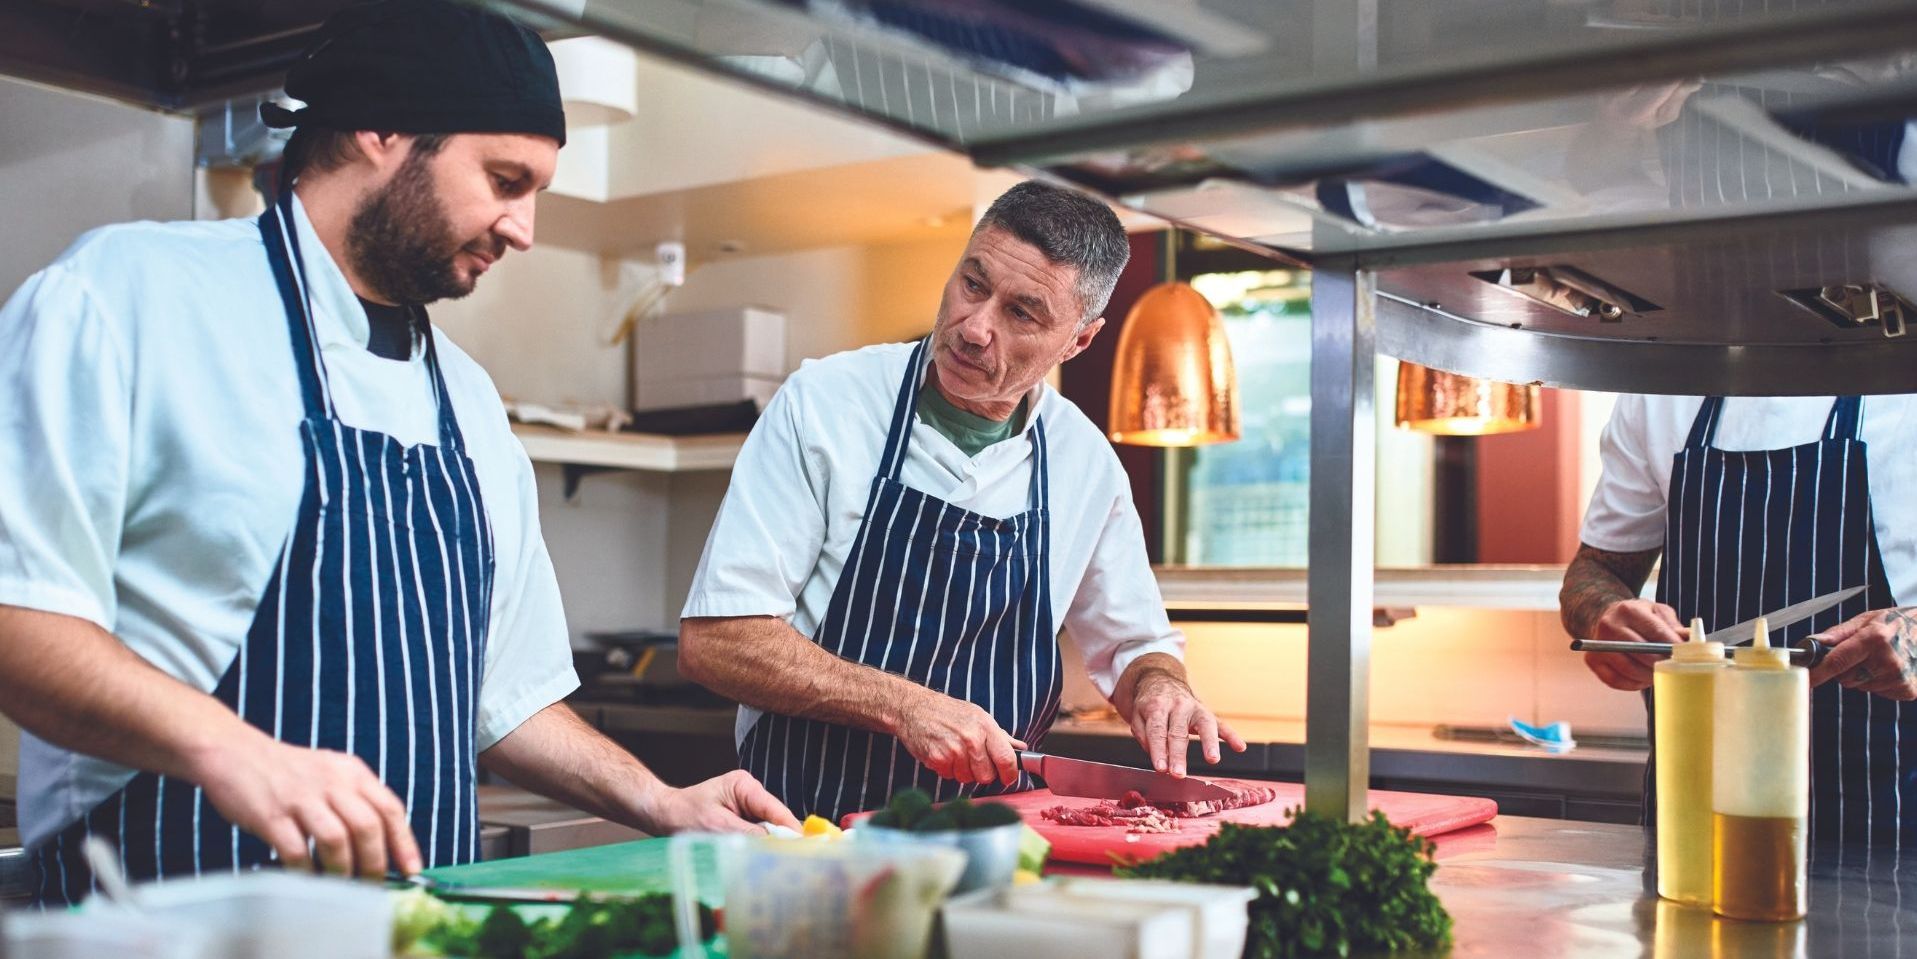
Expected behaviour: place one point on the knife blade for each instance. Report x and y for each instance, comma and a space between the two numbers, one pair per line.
465, 893
1778, 619
1086, 779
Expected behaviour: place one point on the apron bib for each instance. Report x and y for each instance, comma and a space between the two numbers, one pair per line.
950, 599
369, 638
1748, 532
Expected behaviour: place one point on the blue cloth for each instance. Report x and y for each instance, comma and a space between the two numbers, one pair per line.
1749, 532
369, 638
950, 599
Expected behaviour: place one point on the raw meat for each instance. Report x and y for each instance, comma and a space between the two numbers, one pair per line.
1139, 816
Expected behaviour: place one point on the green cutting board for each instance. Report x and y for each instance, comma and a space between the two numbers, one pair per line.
627, 868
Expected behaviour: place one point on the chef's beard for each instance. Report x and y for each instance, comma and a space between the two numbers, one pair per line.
401, 243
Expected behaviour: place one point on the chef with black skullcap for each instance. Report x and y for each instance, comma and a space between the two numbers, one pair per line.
272, 587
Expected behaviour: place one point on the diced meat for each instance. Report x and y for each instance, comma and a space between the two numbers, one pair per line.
1242, 795
1140, 816
1135, 819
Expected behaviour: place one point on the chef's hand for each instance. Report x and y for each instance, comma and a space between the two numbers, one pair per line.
734, 802
1164, 715
1632, 621
287, 795
958, 740
1875, 653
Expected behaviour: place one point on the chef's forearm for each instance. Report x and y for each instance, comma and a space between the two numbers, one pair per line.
1598, 579
763, 662
78, 687
557, 755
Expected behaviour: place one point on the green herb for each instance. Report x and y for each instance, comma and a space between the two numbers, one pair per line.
589, 930
1325, 887
912, 811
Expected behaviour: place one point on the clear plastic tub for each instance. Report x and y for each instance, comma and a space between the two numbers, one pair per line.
844, 899
272, 915
91, 935
991, 854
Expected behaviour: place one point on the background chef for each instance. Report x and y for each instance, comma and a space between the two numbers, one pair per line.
909, 525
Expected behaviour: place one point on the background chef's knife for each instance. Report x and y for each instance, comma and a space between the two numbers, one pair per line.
1776, 621
1808, 655
1079, 777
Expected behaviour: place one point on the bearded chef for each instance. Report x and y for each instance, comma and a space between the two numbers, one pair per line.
272, 587
908, 527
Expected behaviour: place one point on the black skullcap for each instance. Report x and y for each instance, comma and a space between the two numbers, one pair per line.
424, 66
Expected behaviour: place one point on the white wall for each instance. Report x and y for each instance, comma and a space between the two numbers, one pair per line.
69, 163
626, 546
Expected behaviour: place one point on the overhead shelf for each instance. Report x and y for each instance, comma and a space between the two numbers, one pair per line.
1262, 589
629, 451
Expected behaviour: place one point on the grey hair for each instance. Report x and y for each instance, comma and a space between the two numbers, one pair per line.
1070, 229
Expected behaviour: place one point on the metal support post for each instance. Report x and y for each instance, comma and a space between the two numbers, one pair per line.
1342, 543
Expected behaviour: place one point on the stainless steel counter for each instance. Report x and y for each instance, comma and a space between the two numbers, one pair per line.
1538, 889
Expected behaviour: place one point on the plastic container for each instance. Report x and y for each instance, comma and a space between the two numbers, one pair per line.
1219, 913
781, 898
991, 854
1682, 689
1040, 922
1760, 785
271, 915
92, 935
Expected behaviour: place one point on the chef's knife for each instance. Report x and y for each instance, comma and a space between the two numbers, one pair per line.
1808, 655
1776, 621
1090, 780
510, 894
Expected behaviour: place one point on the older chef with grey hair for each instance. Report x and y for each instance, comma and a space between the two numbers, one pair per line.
909, 525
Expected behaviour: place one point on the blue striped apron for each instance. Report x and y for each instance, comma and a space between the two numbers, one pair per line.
1748, 532
369, 638
950, 599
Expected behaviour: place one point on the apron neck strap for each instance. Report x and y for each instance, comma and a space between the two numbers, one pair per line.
1041, 465
281, 235
449, 434
1704, 427
1846, 419
900, 433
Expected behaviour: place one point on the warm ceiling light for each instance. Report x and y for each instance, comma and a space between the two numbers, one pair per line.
1451, 404
1173, 383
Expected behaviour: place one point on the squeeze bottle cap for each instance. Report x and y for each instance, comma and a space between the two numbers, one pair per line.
1698, 650
1760, 653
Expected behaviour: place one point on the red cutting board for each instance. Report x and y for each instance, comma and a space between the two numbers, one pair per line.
1423, 814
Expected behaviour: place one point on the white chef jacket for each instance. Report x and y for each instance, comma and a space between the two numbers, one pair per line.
799, 489
149, 419
1644, 433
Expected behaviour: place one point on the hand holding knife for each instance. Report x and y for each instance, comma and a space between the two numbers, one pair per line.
1809, 654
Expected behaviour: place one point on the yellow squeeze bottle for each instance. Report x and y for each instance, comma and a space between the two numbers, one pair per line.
1760, 784
1682, 693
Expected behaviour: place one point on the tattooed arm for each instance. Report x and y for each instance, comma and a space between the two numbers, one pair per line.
1600, 601
1875, 653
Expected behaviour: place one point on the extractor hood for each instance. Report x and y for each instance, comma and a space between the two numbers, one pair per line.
1656, 195
167, 54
